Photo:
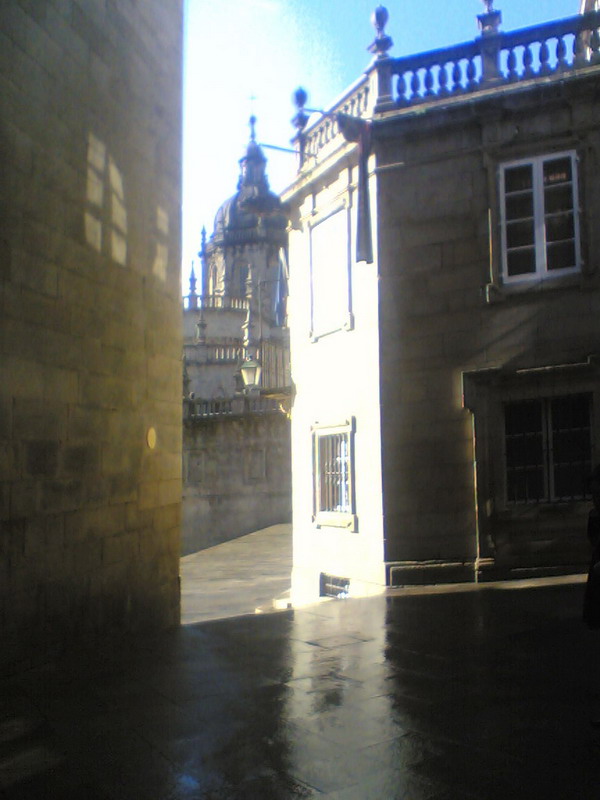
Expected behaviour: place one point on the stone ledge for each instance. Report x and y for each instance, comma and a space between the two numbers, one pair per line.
419, 573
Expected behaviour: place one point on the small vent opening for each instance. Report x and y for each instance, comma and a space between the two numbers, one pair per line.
333, 586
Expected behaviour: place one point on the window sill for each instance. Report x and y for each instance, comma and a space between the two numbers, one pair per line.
347, 325
544, 510
336, 519
500, 292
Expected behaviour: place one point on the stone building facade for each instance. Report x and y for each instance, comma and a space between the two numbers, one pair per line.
90, 336
236, 465
446, 411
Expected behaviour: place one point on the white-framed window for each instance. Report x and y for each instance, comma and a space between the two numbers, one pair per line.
539, 217
333, 475
330, 273
548, 448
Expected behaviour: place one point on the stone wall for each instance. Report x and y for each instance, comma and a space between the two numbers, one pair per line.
432, 341
237, 477
445, 314
90, 336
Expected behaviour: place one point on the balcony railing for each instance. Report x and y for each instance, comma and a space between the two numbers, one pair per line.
223, 353
355, 103
503, 58
491, 61
215, 301
229, 407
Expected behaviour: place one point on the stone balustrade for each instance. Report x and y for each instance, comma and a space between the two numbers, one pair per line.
215, 301
223, 353
503, 58
196, 409
493, 60
355, 103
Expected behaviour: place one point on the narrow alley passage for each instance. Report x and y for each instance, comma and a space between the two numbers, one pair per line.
237, 577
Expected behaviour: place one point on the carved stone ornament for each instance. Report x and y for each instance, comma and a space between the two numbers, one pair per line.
489, 21
382, 42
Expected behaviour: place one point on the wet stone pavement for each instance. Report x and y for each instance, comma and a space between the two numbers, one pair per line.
483, 695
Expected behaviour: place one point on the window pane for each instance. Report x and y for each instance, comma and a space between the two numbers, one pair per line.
519, 206
518, 178
524, 440
561, 255
520, 262
559, 227
570, 412
558, 198
571, 446
520, 233
570, 483
523, 417
524, 450
557, 170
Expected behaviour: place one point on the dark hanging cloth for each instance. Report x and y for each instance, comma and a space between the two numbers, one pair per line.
358, 130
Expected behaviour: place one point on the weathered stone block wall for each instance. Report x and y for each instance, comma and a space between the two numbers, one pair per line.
439, 246
237, 477
90, 337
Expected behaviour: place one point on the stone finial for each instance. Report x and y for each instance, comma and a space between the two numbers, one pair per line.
201, 328
382, 42
202, 241
252, 123
192, 297
300, 97
489, 21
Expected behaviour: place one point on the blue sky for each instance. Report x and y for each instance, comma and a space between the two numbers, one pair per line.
236, 50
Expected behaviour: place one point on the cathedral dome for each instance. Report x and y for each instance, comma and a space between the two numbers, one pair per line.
254, 213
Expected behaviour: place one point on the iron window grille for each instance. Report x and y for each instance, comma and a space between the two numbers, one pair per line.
333, 475
548, 449
539, 217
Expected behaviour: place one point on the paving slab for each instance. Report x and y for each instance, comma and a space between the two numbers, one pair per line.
237, 577
489, 693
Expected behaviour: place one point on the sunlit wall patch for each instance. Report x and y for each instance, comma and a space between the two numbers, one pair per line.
105, 216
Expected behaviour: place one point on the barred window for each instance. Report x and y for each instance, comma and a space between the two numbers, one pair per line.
333, 481
548, 449
334, 473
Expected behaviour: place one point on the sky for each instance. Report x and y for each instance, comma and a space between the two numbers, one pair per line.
246, 57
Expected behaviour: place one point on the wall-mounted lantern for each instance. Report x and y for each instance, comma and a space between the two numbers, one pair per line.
251, 370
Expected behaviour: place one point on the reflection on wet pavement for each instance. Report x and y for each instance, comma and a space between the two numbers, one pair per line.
482, 695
